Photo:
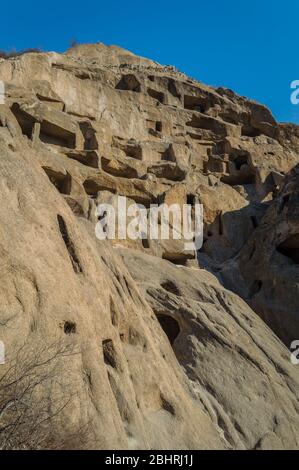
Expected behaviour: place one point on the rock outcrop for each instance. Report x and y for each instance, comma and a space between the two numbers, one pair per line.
153, 347
266, 267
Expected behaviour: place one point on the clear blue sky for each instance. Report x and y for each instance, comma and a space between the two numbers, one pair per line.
248, 46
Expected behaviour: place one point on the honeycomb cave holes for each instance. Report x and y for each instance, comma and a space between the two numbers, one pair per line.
169, 325
290, 248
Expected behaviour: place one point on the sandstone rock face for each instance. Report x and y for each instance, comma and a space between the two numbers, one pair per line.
229, 355
273, 293
138, 344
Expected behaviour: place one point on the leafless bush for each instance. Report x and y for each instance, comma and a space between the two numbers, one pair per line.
33, 397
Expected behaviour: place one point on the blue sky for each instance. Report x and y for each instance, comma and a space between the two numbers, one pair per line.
248, 46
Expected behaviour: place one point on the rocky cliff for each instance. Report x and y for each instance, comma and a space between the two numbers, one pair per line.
138, 344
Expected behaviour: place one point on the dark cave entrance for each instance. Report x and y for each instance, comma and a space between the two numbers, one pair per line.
170, 326
290, 248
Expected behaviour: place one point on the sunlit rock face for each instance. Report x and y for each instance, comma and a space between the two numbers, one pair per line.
130, 340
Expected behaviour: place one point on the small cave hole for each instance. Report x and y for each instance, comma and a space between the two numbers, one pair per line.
89, 134
220, 224
249, 131
157, 95
168, 154
170, 326
62, 183
145, 243
53, 134
240, 161
195, 103
26, 122
290, 248
254, 221
178, 261
285, 199
130, 83
69, 244
167, 406
109, 353
133, 150
256, 288
158, 126
171, 287
69, 327
191, 199
239, 179
113, 313
173, 89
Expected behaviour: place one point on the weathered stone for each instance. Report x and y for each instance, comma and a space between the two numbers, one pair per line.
159, 344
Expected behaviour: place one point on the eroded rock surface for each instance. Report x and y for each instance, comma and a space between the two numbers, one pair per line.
163, 355
267, 266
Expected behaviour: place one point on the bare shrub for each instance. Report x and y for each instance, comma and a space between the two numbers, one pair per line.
33, 396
